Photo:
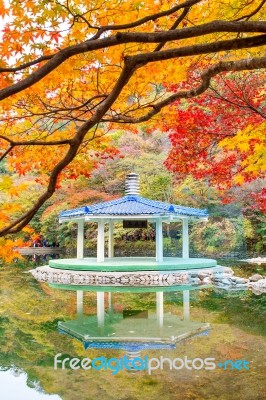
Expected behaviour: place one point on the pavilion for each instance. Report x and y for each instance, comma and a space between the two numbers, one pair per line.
134, 211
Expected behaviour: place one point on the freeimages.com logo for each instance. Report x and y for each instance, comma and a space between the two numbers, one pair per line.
146, 364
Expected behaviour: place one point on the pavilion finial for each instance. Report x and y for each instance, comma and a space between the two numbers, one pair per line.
132, 184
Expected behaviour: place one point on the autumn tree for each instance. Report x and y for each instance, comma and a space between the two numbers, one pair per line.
70, 72
220, 136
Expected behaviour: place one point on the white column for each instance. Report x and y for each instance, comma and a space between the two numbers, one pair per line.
159, 240
186, 305
185, 238
100, 309
111, 240
159, 308
79, 303
100, 241
80, 240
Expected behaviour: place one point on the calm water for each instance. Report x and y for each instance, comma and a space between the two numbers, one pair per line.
38, 321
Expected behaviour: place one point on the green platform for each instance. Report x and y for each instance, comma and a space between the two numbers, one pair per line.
116, 328
132, 264
128, 289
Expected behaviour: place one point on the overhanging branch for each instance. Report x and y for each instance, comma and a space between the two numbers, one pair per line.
206, 76
14, 143
22, 221
157, 37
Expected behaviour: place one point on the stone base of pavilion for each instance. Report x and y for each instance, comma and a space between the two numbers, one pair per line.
145, 274
132, 264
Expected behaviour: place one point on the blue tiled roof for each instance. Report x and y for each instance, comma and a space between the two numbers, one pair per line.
133, 205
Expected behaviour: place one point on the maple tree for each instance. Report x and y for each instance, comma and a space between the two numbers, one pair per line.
71, 72
72, 194
220, 136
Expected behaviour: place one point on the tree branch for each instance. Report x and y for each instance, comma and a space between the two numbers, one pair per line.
142, 21
252, 13
213, 47
195, 31
6, 153
174, 26
14, 143
27, 65
106, 28
206, 76
122, 38
19, 223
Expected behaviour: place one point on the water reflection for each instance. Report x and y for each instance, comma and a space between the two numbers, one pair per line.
132, 329
15, 386
40, 259
29, 339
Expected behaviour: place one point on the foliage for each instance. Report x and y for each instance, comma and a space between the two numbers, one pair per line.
144, 154
196, 193
14, 199
216, 237
70, 195
72, 72
220, 136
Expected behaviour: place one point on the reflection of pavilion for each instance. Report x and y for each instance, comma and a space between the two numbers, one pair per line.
132, 330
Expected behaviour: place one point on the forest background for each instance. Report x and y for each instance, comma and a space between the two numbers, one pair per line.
172, 90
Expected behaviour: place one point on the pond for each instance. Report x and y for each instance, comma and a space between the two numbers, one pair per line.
187, 342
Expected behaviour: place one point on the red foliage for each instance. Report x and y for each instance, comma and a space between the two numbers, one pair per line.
259, 200
200, 125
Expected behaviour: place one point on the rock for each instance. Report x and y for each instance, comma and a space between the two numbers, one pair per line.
218, 277
203, 275
226, 281
125, 279
206, 280
241, 285
220, 285
255, 277
258, 260
259, 286
194, 281
241, 280
218, 272
228, 270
